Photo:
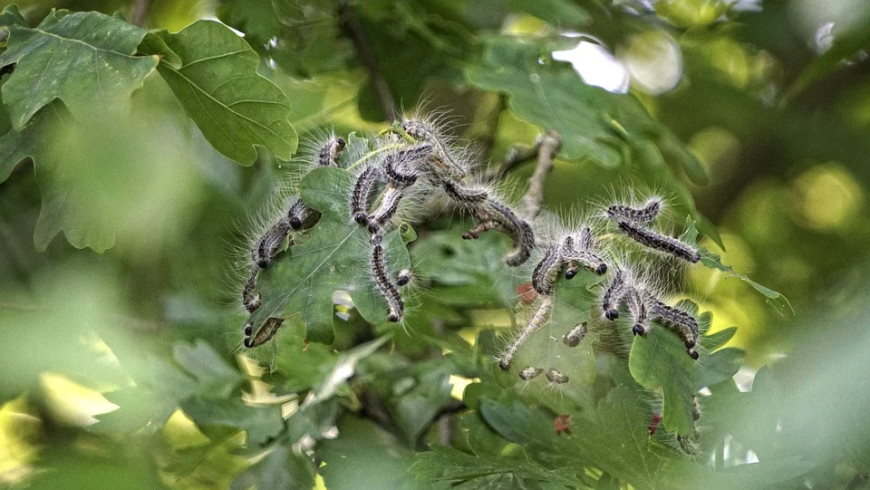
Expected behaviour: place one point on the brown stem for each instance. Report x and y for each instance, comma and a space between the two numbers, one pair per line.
140, 12
353, 30
549, 147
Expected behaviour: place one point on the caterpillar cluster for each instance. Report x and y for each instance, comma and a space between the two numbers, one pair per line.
578, 249
634, 223
415, 160
425, 164
295, 215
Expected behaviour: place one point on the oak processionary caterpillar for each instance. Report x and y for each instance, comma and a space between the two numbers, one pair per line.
575, 336
633, 223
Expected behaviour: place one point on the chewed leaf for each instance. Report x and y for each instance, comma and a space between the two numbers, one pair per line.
213, 72
84, 59
333, 256
659, 361
775, 299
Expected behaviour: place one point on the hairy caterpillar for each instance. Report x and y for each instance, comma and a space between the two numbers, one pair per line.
529, 373
266, 247
575, 336
685, 324
536, 322
637, 307
642, 216
554, 376
329, 152
658, 241
441, 159
385, 212
462, 194
496, 216
264, 334
250, 298
404, 158
612, 296
386, 287
362, 190
545, 273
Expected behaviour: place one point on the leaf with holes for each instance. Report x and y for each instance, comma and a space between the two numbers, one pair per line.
213, 72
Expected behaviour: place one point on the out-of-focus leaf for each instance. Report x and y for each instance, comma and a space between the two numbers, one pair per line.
261, 423
11, 17
446, 464
659, 360
217, 83
216, 378
335, 255
594, 124
365, 456
280, 468
555, 12
84, 59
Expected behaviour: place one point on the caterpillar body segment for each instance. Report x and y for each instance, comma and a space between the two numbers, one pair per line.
385, 286
683, 323
545, 273
399, 166
658, 241
250, 298
518, 229
441, 160
266, 247
538, 320
578, 252
458, 193
613, 295
328, 155
361, 193
639, 311
530, 372
575, 335
264, 334
638, 216
389, 205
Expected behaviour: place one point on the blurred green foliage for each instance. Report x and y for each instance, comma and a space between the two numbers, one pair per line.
134, 158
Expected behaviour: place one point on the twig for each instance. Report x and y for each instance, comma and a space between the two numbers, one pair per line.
140, 12
352, 29
549, 147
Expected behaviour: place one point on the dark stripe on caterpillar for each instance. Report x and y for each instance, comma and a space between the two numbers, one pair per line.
613, 295
266, 247
645, 215
359, 197
544, 274
385, 286
250, 298
683, 323
441, 160
462, 194
405, 158
385, 212
639, 311
329, 152
657, 241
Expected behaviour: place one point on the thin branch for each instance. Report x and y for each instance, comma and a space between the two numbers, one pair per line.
549, 147
140, 12
353, 29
